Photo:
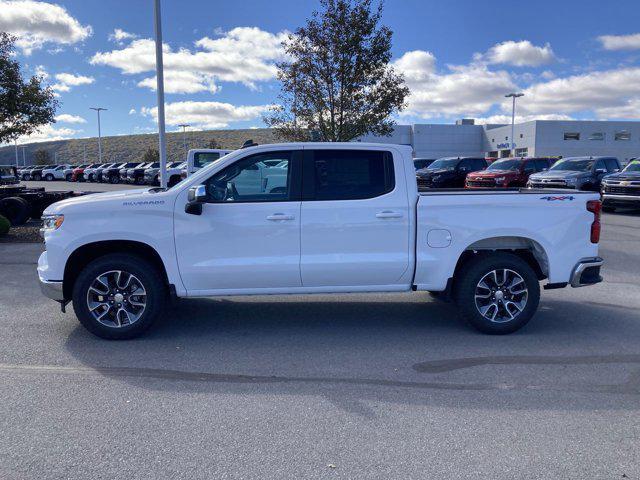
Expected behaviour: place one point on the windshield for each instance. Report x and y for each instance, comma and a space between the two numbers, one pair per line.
511, 164
444, 164
574, 165
634, 166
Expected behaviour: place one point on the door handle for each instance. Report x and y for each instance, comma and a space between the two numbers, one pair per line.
280, 216
388, 214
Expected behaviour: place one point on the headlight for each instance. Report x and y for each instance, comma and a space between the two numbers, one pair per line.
51, 223
571, 181
500, 179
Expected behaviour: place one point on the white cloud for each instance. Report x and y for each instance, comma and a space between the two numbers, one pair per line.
620, 42
182, 82
244, 54
205, 114
506, 118
67, 80
462, 91
67, 118
49, 133
519, 54
119, 36
36, 23
41, 71
608, 93
132, 111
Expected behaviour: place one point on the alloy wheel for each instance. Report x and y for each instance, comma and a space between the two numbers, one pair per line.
501, 295
116, 299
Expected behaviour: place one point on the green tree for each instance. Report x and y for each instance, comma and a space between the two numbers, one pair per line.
337, 83
24, 105
41, 157
151, 155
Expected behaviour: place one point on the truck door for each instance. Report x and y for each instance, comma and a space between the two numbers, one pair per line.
355, 218
245, 239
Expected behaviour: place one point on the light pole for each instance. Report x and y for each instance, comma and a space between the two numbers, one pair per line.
184, 137
98, 110
15, 141
513, 95
24, 161
162, 150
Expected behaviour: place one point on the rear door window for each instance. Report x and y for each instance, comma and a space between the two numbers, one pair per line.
612, 164
347, 174
201, 159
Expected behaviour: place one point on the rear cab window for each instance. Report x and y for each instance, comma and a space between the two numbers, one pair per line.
202, 159
347, 174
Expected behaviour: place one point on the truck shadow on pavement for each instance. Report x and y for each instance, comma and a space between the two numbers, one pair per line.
355, 352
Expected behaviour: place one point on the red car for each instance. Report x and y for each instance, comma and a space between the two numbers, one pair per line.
77, 175
507, 172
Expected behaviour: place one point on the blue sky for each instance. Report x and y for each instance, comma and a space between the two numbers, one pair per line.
572, 59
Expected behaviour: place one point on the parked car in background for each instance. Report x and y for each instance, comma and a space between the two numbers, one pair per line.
420, 163
577, 173
78, 173
90, 173
25, 173
136, 175
36, 174
54, 172
196, 159
507, 172
622, 189
449, 172
8, 175
68, 172
112, 174
152, 175
100, 171
123, 170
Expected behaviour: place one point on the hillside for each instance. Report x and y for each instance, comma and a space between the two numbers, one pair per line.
124, 148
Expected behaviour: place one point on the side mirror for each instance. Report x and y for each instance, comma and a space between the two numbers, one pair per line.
196, 196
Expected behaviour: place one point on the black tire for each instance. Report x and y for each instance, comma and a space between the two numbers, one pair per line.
608, 208
69, 177
15, 209
113, 179
468, 279
36, 177
48, 177
146, 273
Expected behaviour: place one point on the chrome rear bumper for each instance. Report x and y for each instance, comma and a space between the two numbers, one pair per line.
587, 272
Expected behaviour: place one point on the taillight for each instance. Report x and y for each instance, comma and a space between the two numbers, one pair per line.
595, 206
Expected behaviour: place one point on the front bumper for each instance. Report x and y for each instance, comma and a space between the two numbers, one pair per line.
613, 198
587, 272
50, 289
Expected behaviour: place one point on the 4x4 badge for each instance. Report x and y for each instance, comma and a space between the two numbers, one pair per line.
560, 198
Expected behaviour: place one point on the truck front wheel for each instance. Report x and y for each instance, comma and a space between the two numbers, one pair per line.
497, 293
118, 296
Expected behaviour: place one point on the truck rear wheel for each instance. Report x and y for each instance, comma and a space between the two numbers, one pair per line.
497, 293
118, 296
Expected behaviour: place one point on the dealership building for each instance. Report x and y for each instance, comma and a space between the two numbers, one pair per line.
544, 138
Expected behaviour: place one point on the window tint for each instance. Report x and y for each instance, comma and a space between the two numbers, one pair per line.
622, 136
252, 180
200, 159
612, 164
530, 166
541, 164
349, 174
480, 164
598, 136
572, 136
600, 165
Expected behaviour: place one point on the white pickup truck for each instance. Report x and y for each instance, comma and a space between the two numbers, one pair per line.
349, 218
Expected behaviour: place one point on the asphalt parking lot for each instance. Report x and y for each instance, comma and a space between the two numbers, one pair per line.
354, 386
